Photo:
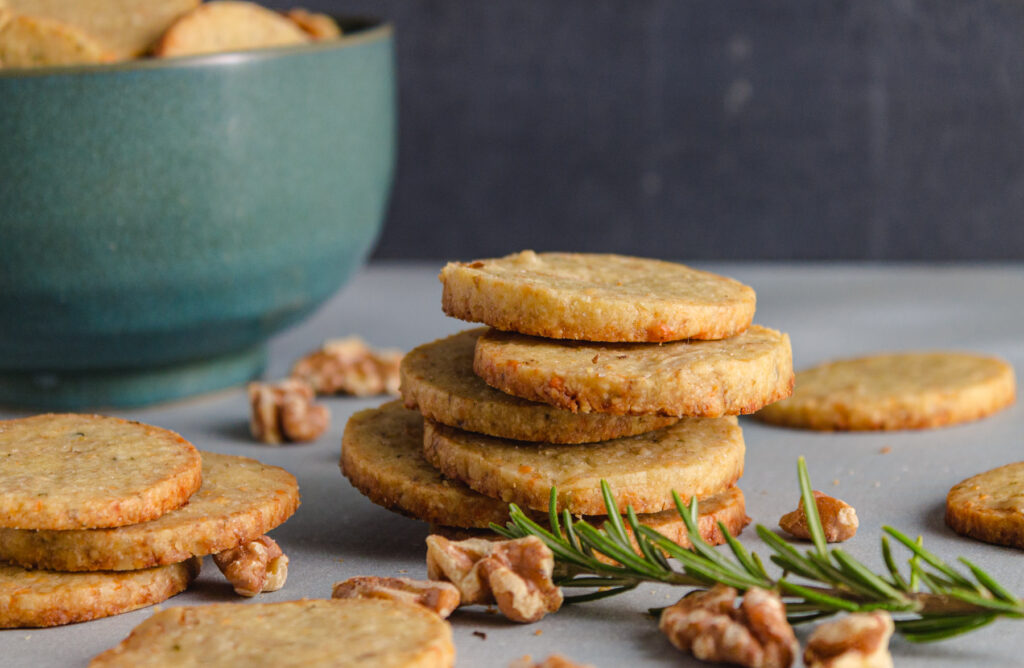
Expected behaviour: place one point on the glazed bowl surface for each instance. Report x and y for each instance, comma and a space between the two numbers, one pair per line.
160, 219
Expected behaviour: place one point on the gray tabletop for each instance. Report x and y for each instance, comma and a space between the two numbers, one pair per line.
898, 478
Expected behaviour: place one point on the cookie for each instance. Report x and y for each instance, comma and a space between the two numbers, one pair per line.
240, 500
48, 598
686, 378
228, 25
438, 379
695, 457
382, 456
596, 297
28, 41
125, 28
727, 507
896, 391
385, 461
317, 26
990, 506
348, 632
67, 471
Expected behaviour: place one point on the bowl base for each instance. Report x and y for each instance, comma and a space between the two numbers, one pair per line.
124, 388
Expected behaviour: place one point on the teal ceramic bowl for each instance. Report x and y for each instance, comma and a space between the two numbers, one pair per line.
159, 220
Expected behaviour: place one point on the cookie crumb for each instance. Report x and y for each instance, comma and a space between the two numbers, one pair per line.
553, 661
538, 632
480, 634
835, 481
885, 450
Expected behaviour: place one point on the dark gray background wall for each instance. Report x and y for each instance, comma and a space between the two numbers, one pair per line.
707, 130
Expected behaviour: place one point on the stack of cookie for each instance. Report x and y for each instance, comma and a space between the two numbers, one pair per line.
599, 367
100, 516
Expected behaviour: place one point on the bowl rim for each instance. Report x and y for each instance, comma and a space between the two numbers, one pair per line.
375, 30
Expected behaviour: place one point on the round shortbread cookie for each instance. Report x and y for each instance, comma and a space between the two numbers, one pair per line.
347, 632
694, 457
990, 506
67, 471
727, 507
228, 25
128, 28
438, 379
240, 500
596, 297
382, 456
686, 378
32, 598
29, 41
896, 391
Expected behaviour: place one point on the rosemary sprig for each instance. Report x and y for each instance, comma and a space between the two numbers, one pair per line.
814, 584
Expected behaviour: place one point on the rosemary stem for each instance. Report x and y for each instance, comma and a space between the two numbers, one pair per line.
624, 553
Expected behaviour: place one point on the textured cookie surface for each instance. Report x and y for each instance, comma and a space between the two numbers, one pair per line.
596, 297
67, 471
438, 379
896, 391
695, 457
126, 28
228, 25
31, 598
317, 26
727, 507
685, 378
382, 456
348, 632
240, 500
990, 506
27, 41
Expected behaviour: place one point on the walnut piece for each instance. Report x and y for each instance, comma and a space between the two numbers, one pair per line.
858, 640
553, 661
838, 519
440, 597
710, 626
285, 411
515, 574
349, 366
254, 567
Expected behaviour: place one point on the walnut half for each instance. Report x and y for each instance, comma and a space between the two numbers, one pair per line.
285, 411
838, 519
349, 366
515, 574
254, 567
440, 597
859, 640
710, 626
